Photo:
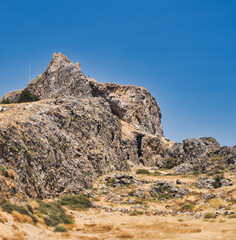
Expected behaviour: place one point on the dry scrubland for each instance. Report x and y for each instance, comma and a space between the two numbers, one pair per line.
122, 212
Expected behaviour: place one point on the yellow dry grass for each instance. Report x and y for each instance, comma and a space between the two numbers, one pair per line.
21, 218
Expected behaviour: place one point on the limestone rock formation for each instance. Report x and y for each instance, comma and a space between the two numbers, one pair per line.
81, 129
75, 133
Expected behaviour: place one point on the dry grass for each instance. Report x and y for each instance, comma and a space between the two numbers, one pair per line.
125, 236
17, 236
89, 238
15, 227
66, 235
3, 218
97, 224
98, 228
21, 218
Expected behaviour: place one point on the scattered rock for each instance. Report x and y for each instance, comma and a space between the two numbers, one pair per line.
178, 181
210, 183
166, 190
120, 179
209, 196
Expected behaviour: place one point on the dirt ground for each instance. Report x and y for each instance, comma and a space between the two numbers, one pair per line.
95, 226
104, 223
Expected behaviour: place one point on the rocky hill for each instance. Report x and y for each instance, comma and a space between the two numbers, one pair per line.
81, 129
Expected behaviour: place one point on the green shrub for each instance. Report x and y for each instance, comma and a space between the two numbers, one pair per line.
216, 158
60, 229
208, 139
27, 96
143, 171
131, 193
195, 168
156, 173
30, 209
135, 213
170, 163
54, 213
6, 101
3, 170
217, 183
209, 215
187, 207
30, 155
76, 202
232, 216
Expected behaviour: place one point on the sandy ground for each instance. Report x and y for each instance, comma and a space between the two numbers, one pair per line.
92, 225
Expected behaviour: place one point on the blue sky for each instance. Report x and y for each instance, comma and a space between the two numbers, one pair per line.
183, 52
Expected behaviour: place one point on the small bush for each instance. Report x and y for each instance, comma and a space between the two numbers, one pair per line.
30, 209
76, 202
216, 158
27, 96
232, 216
54, 213
3, 170
131, 193
170, 163
30, 155
135, 213
143, 171
60, 229
6, 101
187, 207
209, 215
156, 173
217, 183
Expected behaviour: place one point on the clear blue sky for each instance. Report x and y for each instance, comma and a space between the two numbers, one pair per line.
182, 51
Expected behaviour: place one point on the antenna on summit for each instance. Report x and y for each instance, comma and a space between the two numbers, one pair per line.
29, 73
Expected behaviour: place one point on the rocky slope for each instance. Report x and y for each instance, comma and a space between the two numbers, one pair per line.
81, 129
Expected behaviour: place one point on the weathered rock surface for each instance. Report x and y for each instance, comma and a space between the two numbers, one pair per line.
120, 179
211, 183
202, 155
76, 132
165, 190
81, 129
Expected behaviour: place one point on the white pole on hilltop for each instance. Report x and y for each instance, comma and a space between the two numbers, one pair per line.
29, 73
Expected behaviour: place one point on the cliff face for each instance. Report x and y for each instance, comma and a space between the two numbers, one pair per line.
81, 129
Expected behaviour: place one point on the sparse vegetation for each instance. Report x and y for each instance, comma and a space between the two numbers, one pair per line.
143, 171
131, 193
53, 213
156, 173
27, 96
30, 155
6, 101
78, 202
60, 229
135, 213
170, 163
7, 206
187, 207
209, 215
217, 183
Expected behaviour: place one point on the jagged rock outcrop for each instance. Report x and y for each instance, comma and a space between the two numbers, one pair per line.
81, 129
75, 133
202, 155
